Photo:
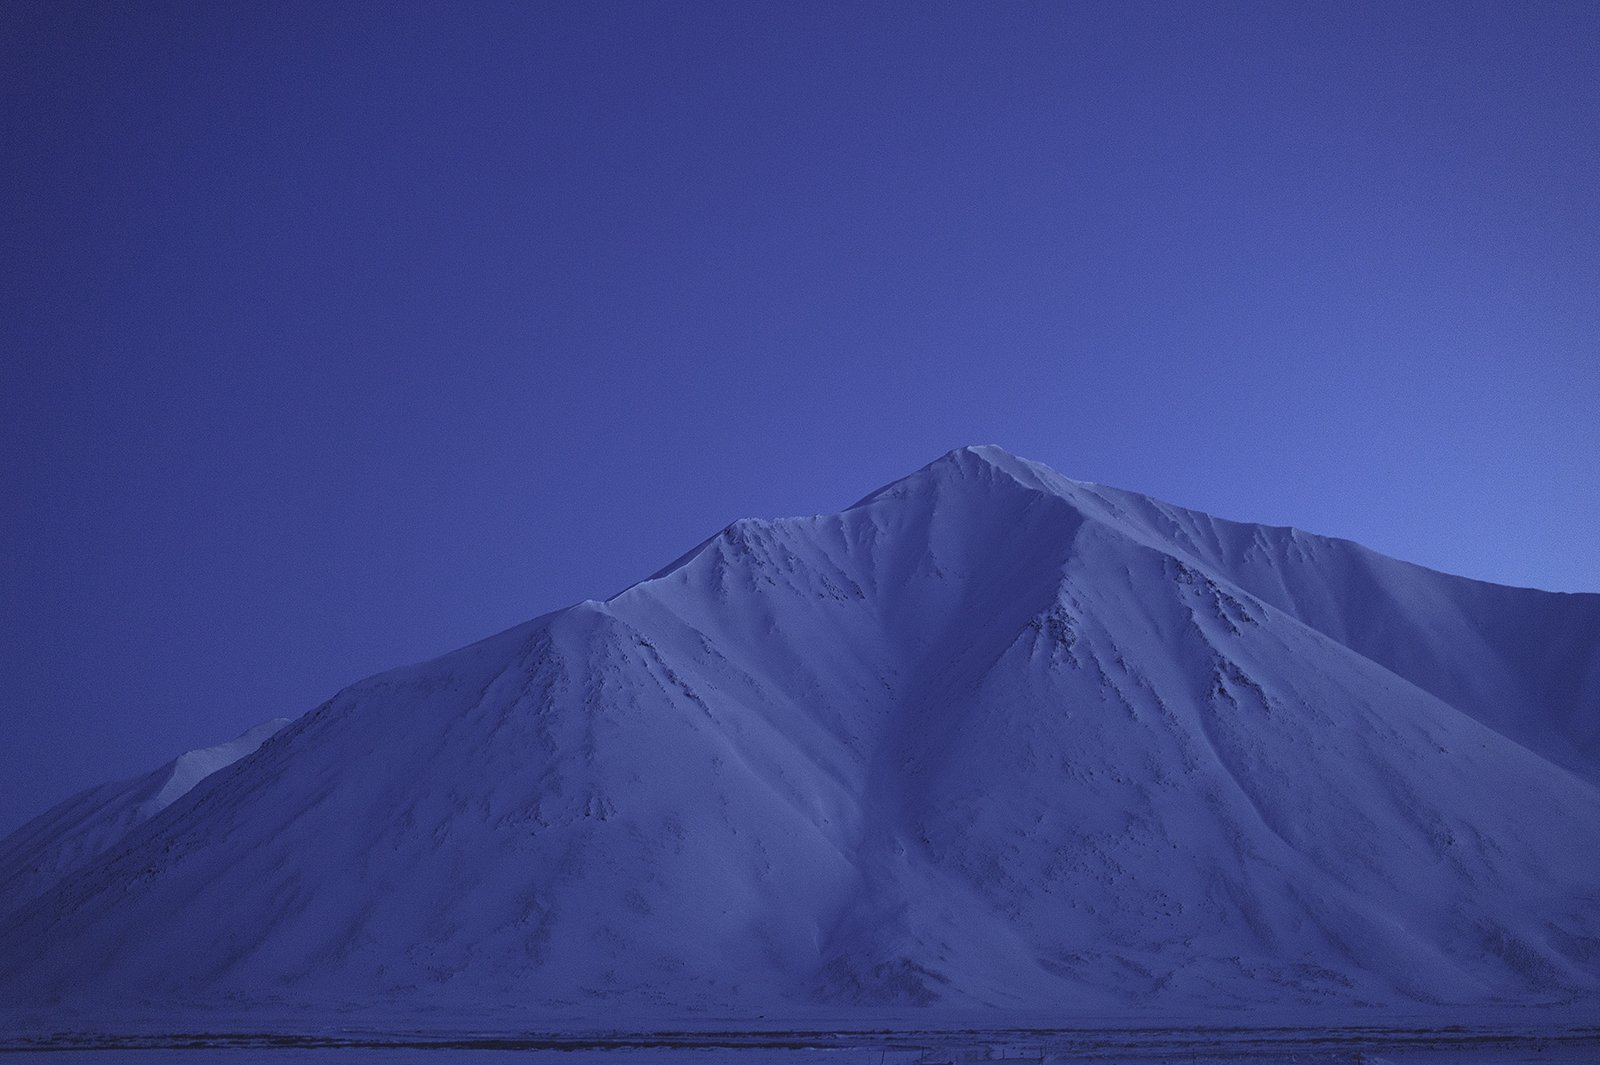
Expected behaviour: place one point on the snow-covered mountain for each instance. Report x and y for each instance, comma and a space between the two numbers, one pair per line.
990, 738
76, 831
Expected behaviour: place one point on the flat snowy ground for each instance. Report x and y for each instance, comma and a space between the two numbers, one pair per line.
1269, 1046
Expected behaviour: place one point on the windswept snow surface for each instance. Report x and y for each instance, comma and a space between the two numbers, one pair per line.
989, 739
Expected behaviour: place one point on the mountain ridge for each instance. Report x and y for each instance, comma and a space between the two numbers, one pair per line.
74, 832
988, 738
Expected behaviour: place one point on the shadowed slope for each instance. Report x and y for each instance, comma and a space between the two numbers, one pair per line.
78, 830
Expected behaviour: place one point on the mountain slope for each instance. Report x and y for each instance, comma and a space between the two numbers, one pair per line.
989, 738
78, 830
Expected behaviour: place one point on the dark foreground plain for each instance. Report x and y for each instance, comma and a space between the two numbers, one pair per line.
1451, 1045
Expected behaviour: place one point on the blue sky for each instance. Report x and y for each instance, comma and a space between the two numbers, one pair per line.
336, 336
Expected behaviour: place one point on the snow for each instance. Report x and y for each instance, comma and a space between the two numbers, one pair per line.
75, 832
990, 741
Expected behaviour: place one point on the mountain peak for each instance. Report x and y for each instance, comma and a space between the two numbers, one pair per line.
977, 464
973, 456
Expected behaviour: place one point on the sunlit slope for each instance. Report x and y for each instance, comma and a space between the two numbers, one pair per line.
989, 738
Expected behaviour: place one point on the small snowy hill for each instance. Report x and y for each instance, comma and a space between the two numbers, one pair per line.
75, 832
989, 738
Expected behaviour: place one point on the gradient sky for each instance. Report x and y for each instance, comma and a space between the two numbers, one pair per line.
334, 336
